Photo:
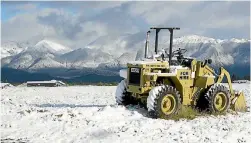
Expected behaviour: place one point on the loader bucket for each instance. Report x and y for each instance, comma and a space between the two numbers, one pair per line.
238, 103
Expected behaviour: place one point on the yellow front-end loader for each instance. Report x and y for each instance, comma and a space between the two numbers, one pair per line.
163, 84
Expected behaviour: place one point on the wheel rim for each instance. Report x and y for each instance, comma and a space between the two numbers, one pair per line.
220, 101
168, 104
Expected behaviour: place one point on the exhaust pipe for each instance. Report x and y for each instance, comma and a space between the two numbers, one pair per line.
147, 44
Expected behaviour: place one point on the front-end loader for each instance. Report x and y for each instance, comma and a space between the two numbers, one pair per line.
166, 81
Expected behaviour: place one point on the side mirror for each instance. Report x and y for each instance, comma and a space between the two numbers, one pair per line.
209, 61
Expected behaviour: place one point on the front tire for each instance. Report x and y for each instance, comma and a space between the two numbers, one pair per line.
163, 102
218, 97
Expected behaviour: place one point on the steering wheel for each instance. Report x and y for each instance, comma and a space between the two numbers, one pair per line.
179, 52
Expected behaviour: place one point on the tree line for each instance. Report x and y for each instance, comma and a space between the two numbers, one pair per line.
236, 77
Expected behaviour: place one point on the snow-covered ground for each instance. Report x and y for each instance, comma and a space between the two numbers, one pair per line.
4, 85
89, 114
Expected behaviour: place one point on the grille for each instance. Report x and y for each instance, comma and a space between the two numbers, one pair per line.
134, 77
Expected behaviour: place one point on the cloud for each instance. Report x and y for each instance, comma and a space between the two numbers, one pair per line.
26, 7
76, 24
20, 28
225, 19
73, 29
64, 23
82, 5
196, 17
157, 13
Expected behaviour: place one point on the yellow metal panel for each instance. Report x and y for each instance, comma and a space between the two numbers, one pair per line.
138, 89
204, 81
188, 92
134, 89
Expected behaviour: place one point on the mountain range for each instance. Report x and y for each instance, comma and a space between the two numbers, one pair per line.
107, 54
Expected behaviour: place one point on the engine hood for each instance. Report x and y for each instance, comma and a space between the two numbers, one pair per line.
148, 64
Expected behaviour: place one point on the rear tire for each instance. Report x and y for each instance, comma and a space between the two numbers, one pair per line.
122, 96
201, 102
163, 102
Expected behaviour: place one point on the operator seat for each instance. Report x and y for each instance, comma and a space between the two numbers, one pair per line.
187, 62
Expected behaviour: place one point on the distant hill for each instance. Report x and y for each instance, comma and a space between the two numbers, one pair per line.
19, 76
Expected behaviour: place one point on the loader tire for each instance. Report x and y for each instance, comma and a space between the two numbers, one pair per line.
122, 96
218, 98
201, 103
163, 102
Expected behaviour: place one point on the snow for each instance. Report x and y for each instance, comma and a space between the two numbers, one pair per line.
45, 62
120, 90
84, 57
89, 114
11, 48
239, 40
152, 96
203, 39
194, 39
241, 81
162, 74
51, 81
41, 55
144, 62
123, 73
4, 53
174, 69
53, 46
4, 85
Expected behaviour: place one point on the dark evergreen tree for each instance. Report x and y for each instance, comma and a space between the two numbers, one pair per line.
247, 77
234, 77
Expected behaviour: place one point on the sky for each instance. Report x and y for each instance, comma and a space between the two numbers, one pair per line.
81, 22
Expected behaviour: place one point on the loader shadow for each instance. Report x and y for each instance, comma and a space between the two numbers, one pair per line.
137, 108
10, 140
131, 108
67, 105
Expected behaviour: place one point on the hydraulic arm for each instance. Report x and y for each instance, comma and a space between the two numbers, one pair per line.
221, 76
237, 99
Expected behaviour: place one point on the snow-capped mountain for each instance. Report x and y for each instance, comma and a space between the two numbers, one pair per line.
111, 51
41, 55
222, 52
51, 47
12, 48
117, 45
85, 57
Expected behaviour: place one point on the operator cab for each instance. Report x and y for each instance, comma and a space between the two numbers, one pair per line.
174, 58
185, 61
164, 55
181, 60
177, 58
